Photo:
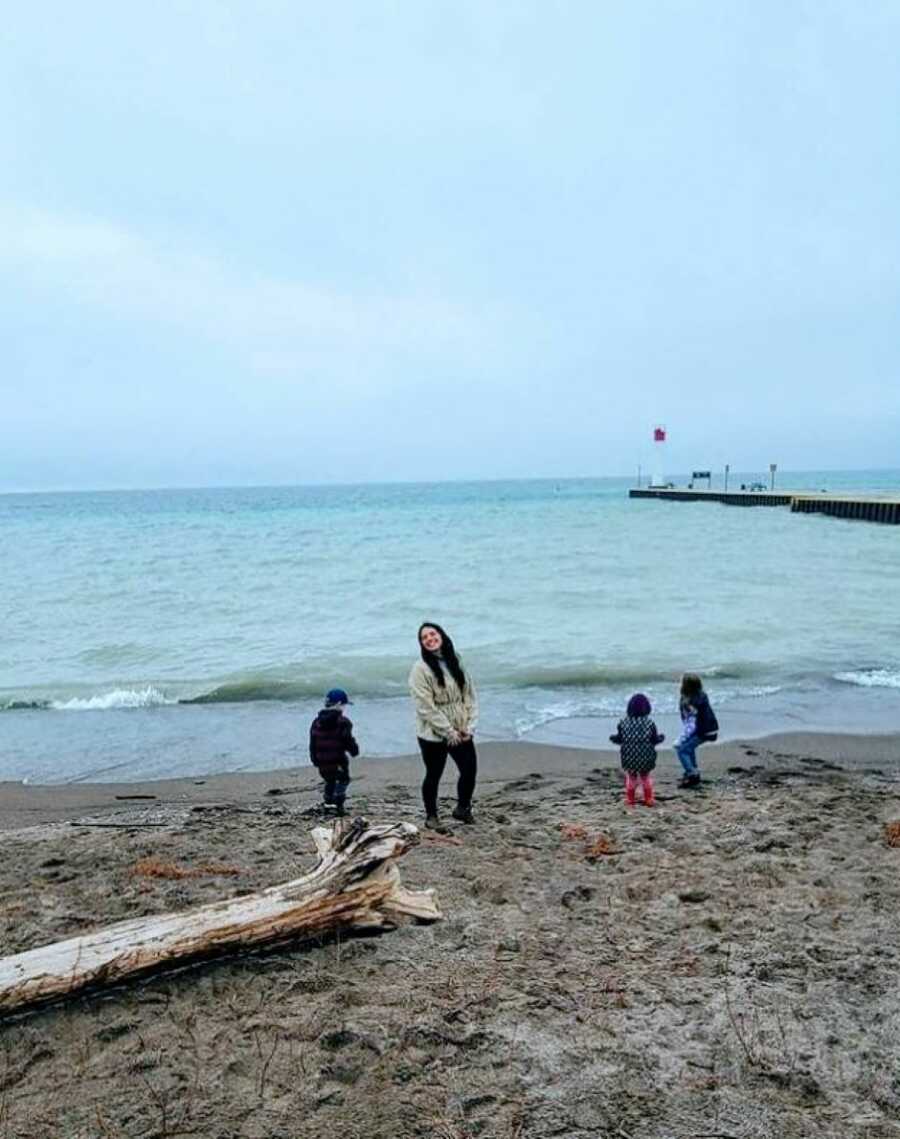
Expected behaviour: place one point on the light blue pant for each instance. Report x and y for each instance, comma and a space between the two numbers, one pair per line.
686, 750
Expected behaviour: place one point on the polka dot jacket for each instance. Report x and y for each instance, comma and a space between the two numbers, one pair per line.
637, 738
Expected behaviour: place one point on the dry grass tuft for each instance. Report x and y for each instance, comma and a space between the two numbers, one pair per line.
892, 833
157, 868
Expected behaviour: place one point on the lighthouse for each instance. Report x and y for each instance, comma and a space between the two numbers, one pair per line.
659, 456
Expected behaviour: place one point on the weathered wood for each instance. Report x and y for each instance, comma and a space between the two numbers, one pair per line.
354, 886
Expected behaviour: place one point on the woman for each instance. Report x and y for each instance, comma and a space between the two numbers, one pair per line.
446, 714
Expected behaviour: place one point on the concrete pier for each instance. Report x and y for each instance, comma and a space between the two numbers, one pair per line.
863, 507
729, 497
866, 508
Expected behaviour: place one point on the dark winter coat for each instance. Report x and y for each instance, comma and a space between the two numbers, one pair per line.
331, 742
637, 738
707, 724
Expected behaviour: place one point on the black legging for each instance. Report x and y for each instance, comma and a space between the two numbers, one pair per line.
434, 753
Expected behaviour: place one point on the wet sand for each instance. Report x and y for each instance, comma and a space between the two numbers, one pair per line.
24, 805
726, 967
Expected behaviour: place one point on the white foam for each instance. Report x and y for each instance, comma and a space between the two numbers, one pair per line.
118, 698
751, 692
613, 705
565, 710
871, 678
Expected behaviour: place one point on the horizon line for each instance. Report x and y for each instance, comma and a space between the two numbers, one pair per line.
410, 482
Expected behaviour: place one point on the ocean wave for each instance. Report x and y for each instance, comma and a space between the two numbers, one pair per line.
119, 698
375, 678
388, 678
534, 718
578, 675
116, 655
251, 691
756, 690
605, 707
871, 678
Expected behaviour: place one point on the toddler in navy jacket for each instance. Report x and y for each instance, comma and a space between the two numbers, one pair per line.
331, 744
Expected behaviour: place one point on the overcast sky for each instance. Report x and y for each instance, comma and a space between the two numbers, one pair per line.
269, 242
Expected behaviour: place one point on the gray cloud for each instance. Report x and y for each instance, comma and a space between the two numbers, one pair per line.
413, 241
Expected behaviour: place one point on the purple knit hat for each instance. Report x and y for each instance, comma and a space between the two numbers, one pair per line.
639, 705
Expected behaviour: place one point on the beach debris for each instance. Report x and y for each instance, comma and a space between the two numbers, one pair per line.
572, 897
599, 846
892, 832
570, 831
157, 868
693, 896
595, 846
354, 886
135, 796
441, 839
116, 826
221, 809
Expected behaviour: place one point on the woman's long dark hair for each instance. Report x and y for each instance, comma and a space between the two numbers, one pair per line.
448, 652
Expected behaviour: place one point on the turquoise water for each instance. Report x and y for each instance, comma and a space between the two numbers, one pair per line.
171, 632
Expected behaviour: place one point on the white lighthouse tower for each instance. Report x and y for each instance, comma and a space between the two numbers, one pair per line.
659, 456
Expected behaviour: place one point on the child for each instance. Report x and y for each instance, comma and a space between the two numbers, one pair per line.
331, 743
637, 737
698, 726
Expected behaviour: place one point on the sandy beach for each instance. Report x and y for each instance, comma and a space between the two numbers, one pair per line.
722, 965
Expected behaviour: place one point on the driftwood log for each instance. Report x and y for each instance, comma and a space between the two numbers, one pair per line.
355, 886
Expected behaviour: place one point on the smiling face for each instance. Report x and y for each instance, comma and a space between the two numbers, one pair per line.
431, 639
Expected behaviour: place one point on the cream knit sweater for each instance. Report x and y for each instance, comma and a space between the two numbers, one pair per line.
440, 711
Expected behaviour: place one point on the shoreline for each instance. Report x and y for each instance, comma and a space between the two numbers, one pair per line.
139, 744
25, 805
